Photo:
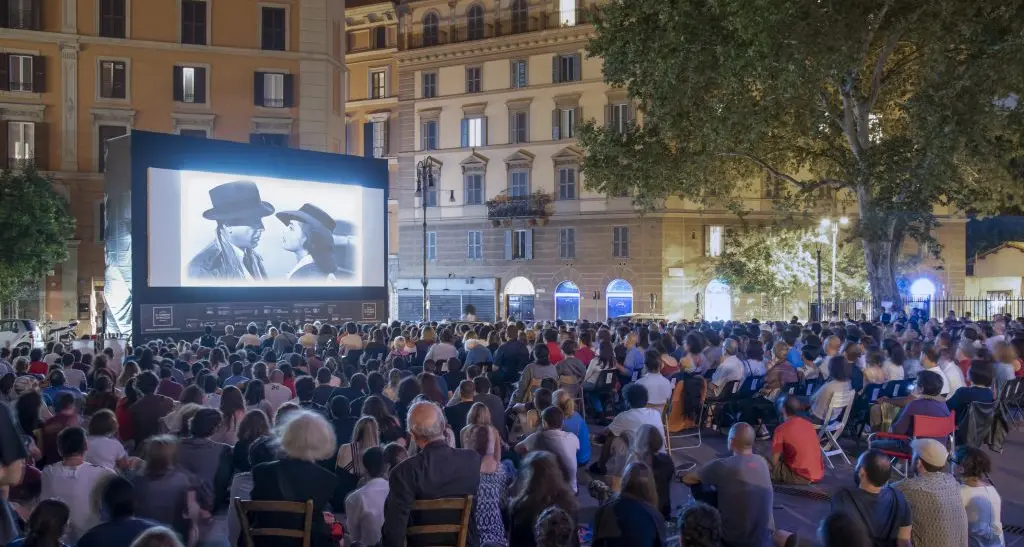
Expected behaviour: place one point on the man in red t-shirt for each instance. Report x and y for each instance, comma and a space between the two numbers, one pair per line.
796, 454
36, 364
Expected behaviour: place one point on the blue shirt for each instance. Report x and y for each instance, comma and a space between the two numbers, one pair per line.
235, 380
21, 541
795, 357
634, 361
53, 392
122, 531
479, 354
576, 425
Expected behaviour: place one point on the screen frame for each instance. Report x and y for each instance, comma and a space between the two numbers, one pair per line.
174, 152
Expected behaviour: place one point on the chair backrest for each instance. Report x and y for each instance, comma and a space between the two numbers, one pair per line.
460, 529
933, 427
729, 388
572, 383
814, 384
1009, 390
903, 387
528, 396
751, 384
659, 408
792, 388
288, 507
839, 407
872, 391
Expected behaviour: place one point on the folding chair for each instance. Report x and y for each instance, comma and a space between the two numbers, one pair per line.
928, 427
464, 505
681, 385
288, 507
829, 431
575, 388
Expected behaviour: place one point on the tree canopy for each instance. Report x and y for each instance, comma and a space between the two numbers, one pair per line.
903, 107
783, 262
35, 226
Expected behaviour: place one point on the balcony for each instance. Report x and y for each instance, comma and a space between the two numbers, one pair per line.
504, 208
504, 26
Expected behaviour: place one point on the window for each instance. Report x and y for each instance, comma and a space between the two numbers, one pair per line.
430, 24
567, 243
190, 84
378, 84
379, 37
619, 117
196, 133
475, 22
563, 123
273, 90
520, 16
518, 127
379, 138
474, 132
21, 138
429, 85
107, 132
521, 244
713, 240
620, 242
566, 68
567, 183
113, 76
269, 139
474, 245
474, 189
519, 184
431, 245
519, 74
21, 13
473, 79
193, 22
428, 132
567, 12
112, 18
273, 31
20, 72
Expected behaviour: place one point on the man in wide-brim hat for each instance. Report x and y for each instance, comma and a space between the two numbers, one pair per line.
238, 211
308, 232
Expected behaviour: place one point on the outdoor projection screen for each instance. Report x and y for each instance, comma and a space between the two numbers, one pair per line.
209, 229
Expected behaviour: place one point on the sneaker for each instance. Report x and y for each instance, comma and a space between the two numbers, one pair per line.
762, 432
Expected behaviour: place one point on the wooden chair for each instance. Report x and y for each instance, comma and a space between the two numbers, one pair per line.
290, 507
464, 505
575, 388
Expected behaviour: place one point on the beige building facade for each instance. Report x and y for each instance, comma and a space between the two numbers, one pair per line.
488, 94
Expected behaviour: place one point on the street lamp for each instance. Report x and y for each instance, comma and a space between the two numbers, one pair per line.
833, 226
427, 172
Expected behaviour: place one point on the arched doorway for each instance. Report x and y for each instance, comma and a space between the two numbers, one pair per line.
519, 299
567, 301
718, 301
619, 298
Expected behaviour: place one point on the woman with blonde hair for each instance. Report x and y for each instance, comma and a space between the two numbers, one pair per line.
232, 408
158, 537
131, 370
394, 378
349, 461
306, 438
573, 423
480, 416
632, 512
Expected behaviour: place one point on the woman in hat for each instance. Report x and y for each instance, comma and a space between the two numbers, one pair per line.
309, 233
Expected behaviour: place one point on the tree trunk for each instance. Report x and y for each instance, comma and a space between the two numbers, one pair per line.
880, 261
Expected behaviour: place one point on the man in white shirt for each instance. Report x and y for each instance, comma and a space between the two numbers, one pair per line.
731, 368
954, 376
659, 389
552, 438
929, 361
54, 355
630, 420
275, 392
364, 508
999, 327
76, 483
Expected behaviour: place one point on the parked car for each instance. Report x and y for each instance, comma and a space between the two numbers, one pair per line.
16, 333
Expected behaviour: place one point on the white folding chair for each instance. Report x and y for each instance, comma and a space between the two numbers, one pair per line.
839, 407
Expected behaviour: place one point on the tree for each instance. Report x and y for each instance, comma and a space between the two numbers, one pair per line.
35, 226
783, 262
901, 107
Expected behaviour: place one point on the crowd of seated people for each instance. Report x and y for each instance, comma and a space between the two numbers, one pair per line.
365, 420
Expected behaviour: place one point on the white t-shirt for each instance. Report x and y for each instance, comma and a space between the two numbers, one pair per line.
50, 358
104, 451
248, 340
731, 369
276, 395
632, 419
563, 444
893, 371
659, 389
364, 511
984, 506
953, 375
945, 381
74, 377
80, 488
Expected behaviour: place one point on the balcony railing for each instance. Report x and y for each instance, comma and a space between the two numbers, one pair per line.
536, 21
530, 206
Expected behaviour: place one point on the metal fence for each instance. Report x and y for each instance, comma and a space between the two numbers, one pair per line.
976, 308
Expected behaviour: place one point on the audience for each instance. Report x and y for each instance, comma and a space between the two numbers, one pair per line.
76, 482
122, 527
883, 510
796, 452
980, 499
364, 508
940, 519
632, 517
542, 486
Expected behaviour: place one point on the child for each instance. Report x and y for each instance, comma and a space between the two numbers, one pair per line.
104, 449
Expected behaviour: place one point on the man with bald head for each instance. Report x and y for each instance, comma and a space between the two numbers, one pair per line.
436, 471
741, 484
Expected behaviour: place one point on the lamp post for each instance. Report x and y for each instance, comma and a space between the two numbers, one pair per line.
818, 249
426, 173
833, 226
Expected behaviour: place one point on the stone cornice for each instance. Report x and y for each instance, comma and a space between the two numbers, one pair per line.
125, 116
501, 47
193, 120
272, 125
22, 112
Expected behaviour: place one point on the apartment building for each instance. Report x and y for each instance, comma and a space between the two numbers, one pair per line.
488, 97
74, 73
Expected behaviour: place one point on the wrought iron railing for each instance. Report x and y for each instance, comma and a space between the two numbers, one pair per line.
504, 206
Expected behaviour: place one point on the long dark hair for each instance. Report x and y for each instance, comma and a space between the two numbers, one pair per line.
27, 409
606, 354
46, 524
320, 246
